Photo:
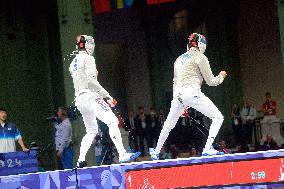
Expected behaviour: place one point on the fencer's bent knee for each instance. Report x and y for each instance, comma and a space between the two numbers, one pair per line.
218, 118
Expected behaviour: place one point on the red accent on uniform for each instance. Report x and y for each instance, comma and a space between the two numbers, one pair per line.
114, 102
78, 38
190, 37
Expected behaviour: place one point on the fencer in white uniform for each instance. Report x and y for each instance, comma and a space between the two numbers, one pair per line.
189, 71
89, 99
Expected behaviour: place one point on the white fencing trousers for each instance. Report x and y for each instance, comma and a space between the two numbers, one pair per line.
191, 96
92, 106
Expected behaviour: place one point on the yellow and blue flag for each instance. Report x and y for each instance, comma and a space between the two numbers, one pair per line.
120, 4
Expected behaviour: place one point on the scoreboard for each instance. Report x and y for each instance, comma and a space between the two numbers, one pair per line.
245, 172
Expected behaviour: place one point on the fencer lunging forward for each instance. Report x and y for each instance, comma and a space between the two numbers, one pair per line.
189, 71
89, 100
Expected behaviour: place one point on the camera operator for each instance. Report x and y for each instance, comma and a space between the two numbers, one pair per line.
63, 139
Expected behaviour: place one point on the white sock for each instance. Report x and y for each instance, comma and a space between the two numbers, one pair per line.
214, 129
85, 145
209, 143
162, 138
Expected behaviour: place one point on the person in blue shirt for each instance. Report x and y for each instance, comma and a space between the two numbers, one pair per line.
9, 134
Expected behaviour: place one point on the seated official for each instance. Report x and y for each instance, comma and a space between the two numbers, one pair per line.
270, 143
9, 134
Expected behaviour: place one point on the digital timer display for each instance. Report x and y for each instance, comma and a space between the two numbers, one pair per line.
211, 174
257, 175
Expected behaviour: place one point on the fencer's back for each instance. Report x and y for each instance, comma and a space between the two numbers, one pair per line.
78, 72
186, 69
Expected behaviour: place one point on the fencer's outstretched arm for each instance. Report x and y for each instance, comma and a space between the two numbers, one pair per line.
91, 72
207, 74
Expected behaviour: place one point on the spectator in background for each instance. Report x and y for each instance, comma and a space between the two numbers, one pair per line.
174, 151
236, 122
63, 140
108, 148
199, 128
269, 144
270, 124
193, 152
248, 115
120, 119
98, 147
269, 108
130, 126
142, 121
153, 124
9, 134
164, 155
243, 148
183, 131
184, 118
161, 117
223, 148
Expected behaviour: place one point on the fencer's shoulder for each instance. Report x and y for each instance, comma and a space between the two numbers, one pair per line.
85, 55
89, 57
183, 57
200, 57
